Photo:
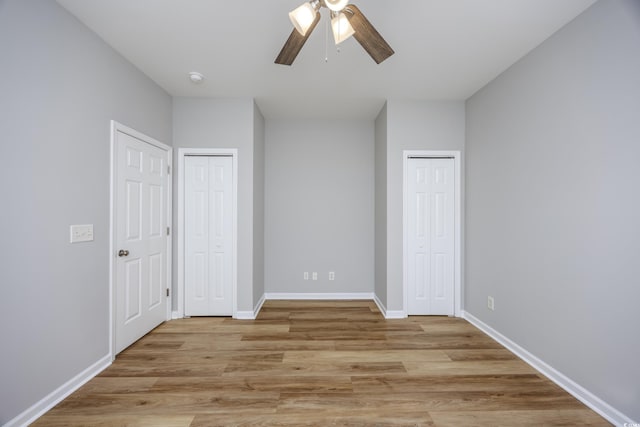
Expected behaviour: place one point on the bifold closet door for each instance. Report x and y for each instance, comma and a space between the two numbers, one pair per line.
431, 212
208, 236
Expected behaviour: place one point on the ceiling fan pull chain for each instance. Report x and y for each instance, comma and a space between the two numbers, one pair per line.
326, 42
339, 31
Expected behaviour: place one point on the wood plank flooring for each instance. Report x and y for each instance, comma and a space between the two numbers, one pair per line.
311, 363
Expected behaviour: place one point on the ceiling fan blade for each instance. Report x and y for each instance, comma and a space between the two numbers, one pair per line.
294, 44
367, 35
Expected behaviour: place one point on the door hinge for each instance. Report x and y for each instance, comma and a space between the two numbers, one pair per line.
167, 291
168, 231
168, 170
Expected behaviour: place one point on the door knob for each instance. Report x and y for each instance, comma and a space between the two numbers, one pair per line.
123, 252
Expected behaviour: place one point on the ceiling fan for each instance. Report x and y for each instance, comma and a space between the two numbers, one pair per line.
346, 21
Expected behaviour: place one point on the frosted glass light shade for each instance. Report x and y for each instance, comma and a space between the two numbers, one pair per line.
302, 17
336, 5
341, 27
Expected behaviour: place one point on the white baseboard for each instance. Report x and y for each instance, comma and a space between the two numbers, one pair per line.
258, 307
56, 396
388, 314
245, 315
175, 315
380, 305
395, 314
318, 296
607, 411
251, 315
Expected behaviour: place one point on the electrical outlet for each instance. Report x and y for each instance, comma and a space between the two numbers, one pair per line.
314, 276
306, 275
332, 275
491, 303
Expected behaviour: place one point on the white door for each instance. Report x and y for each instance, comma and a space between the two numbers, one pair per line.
430, 236
208, 236
141, 201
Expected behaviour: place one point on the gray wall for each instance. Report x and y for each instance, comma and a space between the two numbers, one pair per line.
319, 205
552, 202
224, 123
413, 125
381, 206
258, 204
60, 86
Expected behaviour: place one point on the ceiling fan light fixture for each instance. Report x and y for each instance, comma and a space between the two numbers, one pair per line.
303, 16
341, 27
347, 20
336, 5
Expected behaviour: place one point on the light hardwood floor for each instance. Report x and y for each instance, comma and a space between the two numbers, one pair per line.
311, 363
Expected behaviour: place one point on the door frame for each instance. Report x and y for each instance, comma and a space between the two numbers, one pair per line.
208, 152
457, 240
115, 128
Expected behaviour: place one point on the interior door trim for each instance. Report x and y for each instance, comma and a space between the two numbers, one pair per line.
457, 241
179, 288
115, 128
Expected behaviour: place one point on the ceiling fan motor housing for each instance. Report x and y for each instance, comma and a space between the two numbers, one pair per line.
335, 5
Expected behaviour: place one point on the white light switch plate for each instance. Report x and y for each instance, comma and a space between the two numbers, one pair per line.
81, 233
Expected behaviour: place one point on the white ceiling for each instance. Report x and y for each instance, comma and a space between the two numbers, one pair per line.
445, 49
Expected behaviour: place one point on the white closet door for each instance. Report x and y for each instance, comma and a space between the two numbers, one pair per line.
208, 236
431, 237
